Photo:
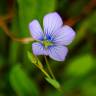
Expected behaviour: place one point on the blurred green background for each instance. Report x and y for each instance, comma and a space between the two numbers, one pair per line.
77, 74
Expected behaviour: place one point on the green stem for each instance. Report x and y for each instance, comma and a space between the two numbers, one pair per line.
49, 68
45, 73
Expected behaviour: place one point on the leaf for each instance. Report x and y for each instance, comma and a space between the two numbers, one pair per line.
81, 65
32, 57
37, 63
34, 60
21, 83
53, 82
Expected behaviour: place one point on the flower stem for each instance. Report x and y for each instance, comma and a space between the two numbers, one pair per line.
49, 68
45, 73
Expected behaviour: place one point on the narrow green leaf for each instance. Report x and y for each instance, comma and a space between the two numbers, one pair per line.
21, 83
34, 60
32, 57
53, 82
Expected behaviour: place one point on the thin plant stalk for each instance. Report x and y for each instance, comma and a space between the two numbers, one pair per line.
49, 68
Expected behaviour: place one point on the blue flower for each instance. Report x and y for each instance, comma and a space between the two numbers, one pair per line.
53, 39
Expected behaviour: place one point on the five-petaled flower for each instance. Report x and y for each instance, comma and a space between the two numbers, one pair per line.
53, 39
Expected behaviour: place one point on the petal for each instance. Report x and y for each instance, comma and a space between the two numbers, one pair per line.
36, 30
39, 49
57, 53
64, 36
51, 23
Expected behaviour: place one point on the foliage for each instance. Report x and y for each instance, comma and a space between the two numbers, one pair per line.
76, 75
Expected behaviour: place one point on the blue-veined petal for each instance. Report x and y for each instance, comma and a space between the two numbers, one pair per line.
64, 36
36, 30
39, 49
58, 53
51, 23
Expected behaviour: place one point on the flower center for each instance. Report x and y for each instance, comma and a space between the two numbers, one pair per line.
47, 43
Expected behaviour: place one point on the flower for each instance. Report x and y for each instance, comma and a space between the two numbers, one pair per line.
53, 39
